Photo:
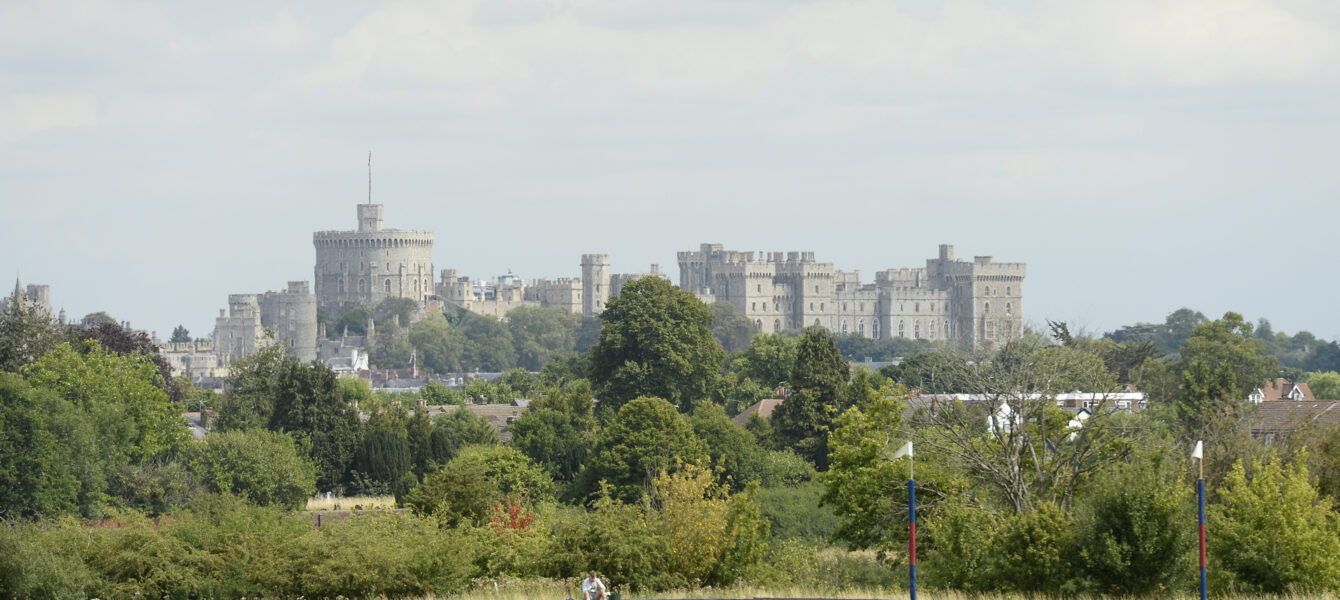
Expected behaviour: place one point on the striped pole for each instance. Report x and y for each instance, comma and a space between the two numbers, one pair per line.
1200, 499
912, 537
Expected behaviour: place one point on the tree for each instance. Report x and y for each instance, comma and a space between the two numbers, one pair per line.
647, 436
439, 344
818, 385
394, 312
1177, 328
769, 359
865, 487
353, 322
265, 467
392, 349
1228, 343
1324, 357
98, 318
253, 382
655, 341
488, 344
383, 453
122, 394
36, 478
180, 335
931, 372
1010, 435
468, 486
1281, 534
27, 331
1325, 386
122, 340
730, 327
552, 440
1133, 522
308, 404
541, 334
730, 447
462, 427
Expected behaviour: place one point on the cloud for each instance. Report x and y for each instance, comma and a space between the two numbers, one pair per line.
22, 115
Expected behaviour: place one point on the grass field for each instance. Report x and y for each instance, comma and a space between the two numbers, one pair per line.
349, 502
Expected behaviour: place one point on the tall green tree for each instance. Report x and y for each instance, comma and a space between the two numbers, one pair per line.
541, 334
656, 341
648, 436
440, 344
27, 331
769, 359
36, 478
307, 404
265, 467
1278, 534
552, 440
818, 387
180, 335
730, 327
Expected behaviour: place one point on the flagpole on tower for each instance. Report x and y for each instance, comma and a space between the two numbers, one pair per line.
369, 177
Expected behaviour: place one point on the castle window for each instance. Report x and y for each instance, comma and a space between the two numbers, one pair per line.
816, 289
874, 329
862, 307
753, 306
844, 307
765, 307
860, 328
900, 330
341, 286
986, 308
816, 322
388, 286
758, 324
844, 326
986, 290
811, 306
362, 286
776, 325
1008, 308
946, 327
916, 307
758, 288
821, 306
1007, 291
916, 330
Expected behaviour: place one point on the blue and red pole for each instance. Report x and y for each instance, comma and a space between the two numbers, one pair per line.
1200, 500
912, 537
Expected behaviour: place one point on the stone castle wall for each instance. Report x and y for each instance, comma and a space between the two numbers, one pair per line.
371, 264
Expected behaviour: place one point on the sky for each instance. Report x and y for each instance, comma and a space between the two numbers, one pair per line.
1139, 156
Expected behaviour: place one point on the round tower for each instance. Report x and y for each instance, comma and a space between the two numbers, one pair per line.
595, 283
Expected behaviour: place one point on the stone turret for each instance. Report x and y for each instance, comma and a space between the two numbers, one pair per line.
595, 283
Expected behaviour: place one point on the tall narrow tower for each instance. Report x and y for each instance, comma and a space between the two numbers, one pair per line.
595, 283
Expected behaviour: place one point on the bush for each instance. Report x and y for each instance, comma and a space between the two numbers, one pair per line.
1033, 552
797, 512
262, 466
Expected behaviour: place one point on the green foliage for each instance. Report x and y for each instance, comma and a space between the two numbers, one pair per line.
862, 476
353, 322
1325, 386
957, 542
36, 477
439, 344
539, 335
730, 327
466, 489
253, 382
98, 318
1033, 552
436, 394
1228, 345
154, 487
931, 372
1280, 535
856, 347
551, 439
309, 405
1133, 528
818, 386
462, 427
27, 331
384, 453
488, 344
797, 511
394, 312
266, 468
391, 350
768, 359
180, 335
656, 340
122, 394
125, 341
729, 446
648, 436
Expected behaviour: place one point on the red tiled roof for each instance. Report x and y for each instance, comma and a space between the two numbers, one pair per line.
762, 408
1284, 416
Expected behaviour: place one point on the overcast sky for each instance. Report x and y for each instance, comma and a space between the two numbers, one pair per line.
1138, 155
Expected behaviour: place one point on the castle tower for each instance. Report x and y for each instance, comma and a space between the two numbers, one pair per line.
371, 264
595, 283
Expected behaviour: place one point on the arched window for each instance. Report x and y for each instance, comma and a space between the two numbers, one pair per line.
362, 285
821, 306
758, 323
1007, 291
901, 332
946, 327
816, 323
916, 330
776, 325
844, 307
844, 326
916, 307
1008, 308
860, 328
874, 329
753, 306
986, 308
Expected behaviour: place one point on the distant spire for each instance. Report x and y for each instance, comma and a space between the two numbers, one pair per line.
18, 287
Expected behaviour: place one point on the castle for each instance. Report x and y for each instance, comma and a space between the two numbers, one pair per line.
949, 299
290, 314
371, 264
585, 296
